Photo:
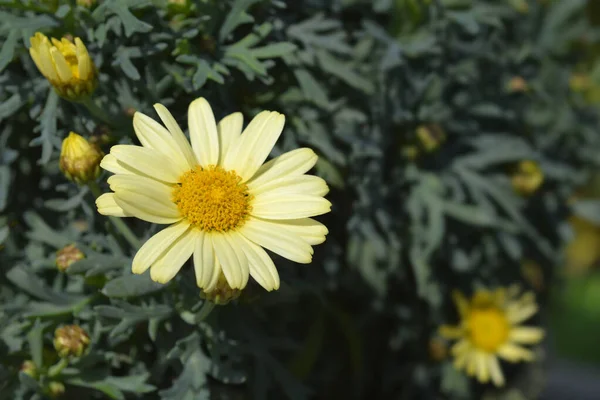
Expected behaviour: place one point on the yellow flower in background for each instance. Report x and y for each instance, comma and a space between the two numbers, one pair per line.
222, 204
490, 328
527, 178
65, 64
79, 159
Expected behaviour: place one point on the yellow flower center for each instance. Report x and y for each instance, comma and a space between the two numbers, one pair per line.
488, 328
212, 199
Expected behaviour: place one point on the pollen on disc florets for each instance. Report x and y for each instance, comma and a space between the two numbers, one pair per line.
488, 328
212, 199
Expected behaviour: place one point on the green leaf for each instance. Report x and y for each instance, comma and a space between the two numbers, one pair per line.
97, 264
48, 128
236, 17
121, 9
36, 345
27, 281
131, 286
8, 49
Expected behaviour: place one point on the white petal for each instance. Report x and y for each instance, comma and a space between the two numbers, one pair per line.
178, 135
290, 206
313, 232
156, 246
303, 184
111, 164
147, 162
261, 265
146, 193
254, 145
144, 186
170, 262
146, 209
277, 239
203, 132
108, 206
229, 129
232, 259
206, 266
155, 136
292, 163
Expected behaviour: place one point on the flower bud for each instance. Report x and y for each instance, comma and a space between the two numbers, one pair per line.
79, 159
67, 256
70, 341
430, 136
222, 293
28, 367
528, 178
66, 65
86, 3
56, 389
517, 84
438, 350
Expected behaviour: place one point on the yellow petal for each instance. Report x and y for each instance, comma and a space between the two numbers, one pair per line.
526, 335
203, 132
514, 353
61, 65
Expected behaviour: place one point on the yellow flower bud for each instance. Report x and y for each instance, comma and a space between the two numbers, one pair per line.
70, 340
430, 136
56, 389
517, 85
65, 64
79, 159
28, 367
67, 256
528, 178
86, 3
438, 351
222, 293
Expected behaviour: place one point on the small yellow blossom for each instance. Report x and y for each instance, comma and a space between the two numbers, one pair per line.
65, 64
490, 328
71, 340
527, 178
67, 256
79, 159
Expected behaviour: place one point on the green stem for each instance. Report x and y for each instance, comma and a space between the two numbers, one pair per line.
117, 222
97, 111
58, 367
204, 311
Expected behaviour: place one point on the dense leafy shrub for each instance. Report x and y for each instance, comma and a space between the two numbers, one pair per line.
451, 133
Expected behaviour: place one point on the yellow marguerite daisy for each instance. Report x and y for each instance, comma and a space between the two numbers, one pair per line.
490, 328
67, 65
222, 204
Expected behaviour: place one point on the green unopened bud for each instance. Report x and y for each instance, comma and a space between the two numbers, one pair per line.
56, 389
28, 367
71, 341
67, 256
79, 159
222, 292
